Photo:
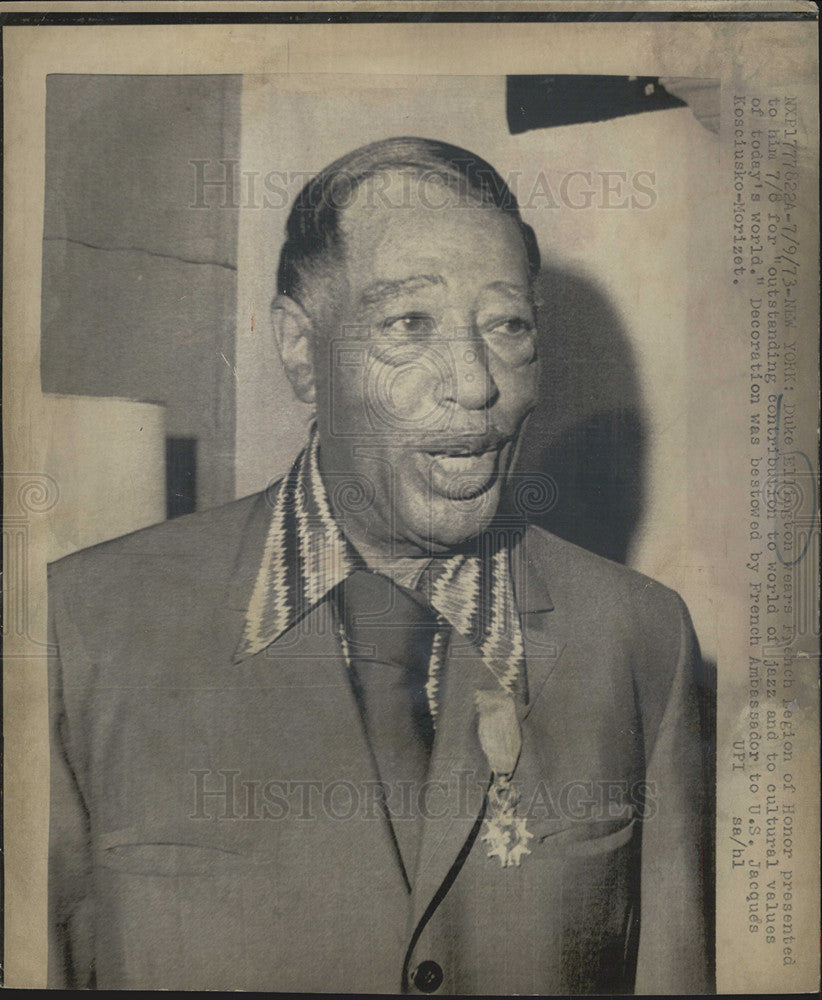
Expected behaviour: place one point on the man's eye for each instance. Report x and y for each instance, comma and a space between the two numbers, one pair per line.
409, 326
513, 340
514, 328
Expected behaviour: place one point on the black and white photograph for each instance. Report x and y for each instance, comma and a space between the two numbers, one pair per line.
411, 507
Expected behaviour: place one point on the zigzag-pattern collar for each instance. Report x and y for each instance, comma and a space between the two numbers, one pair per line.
306, 556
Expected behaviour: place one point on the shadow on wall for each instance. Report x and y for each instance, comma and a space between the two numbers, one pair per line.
588, 431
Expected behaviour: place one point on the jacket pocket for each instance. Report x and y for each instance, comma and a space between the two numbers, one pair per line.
168, 858
585, 838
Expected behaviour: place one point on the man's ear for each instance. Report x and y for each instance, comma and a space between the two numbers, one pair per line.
294, 333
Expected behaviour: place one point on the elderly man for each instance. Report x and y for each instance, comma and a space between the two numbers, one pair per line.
369, 731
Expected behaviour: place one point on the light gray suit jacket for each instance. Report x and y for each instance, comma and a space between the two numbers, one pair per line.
213, 824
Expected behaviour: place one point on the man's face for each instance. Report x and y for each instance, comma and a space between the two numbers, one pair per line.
427, 371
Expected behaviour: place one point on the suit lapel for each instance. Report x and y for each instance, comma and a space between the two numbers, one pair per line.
327, 732
544, 639
308, 667
458, 763
458, 776
246, 567
543, 630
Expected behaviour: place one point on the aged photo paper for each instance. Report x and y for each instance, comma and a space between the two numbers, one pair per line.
300, 301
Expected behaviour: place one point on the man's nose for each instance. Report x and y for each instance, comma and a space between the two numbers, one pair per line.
470, 383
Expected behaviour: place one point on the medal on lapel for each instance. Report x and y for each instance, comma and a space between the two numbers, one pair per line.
505, 833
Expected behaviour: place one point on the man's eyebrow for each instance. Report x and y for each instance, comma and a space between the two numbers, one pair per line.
509, 288
382, 290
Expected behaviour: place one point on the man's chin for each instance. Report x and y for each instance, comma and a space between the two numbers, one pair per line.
452, 522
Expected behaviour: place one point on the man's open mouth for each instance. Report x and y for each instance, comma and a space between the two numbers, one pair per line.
465, 461
465, 445
463, 469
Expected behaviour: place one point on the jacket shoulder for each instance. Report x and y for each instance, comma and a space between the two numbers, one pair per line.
164, 550
572, 572
628, 617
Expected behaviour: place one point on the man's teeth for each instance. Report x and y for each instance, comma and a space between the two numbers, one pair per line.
461, 463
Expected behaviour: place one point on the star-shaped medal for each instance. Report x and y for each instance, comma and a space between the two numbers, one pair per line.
505, 833
507, 838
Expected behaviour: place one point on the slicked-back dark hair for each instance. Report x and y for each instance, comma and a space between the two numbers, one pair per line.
313, 228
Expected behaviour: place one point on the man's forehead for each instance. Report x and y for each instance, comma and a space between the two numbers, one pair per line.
386, 289
426, 242
413, 199
426, 234
380, 290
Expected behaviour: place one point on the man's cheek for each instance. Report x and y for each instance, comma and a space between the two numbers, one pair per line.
517, 390
400, 396
402, 393
346, 401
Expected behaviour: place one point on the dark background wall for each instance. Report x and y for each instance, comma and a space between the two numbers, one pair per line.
139, 287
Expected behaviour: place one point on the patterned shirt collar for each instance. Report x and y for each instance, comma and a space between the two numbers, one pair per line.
306, 556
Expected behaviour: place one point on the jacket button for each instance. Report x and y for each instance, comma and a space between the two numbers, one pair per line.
427, 976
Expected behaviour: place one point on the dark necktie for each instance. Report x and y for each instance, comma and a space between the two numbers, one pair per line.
390, 633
